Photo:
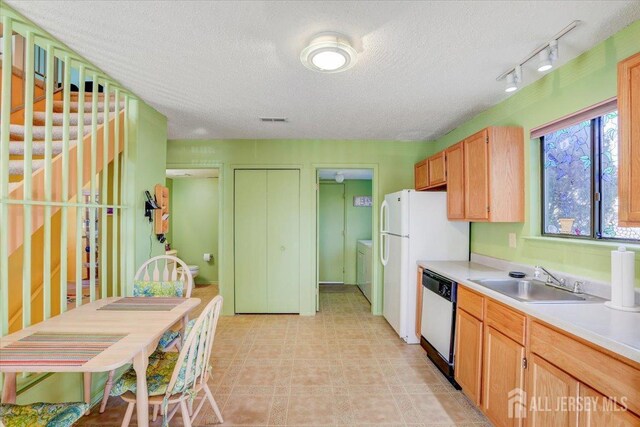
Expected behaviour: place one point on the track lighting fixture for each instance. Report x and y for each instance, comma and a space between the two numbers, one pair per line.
513, 79
547, 55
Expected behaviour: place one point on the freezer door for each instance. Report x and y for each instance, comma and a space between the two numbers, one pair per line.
397, 213
394, 272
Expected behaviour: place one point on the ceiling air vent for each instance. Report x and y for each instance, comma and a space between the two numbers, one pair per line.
273, 119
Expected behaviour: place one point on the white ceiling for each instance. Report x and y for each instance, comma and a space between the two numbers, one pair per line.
348, 173
192, 173
423, 68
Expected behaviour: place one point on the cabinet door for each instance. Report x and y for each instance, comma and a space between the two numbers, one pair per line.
601, 411
468, 355
283, 241
629, 141
549, 387
503, 375
250, 236
437, 169
455, 181
421, 175
476, 179
419, 304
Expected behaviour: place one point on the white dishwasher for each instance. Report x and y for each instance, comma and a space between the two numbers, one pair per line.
438, 321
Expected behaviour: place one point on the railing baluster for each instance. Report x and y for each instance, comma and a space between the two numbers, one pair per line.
124, 194
48, 136
104, 194
116, 199
64, 223
80, 185
92, 179
5, 117
27, 188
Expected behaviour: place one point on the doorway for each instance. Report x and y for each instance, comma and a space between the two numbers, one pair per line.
344, 232
194, 221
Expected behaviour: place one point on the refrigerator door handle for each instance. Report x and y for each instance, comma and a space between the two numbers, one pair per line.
384, 249
384, 217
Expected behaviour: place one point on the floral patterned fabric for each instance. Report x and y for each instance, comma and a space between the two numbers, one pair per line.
42, 414
167, 339
159, 371
148, 288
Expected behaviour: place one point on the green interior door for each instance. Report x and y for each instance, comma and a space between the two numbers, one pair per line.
250, 229
283, 241
331, 233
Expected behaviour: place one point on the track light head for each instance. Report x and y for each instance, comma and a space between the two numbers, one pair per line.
548, 56
513, 79
544, 61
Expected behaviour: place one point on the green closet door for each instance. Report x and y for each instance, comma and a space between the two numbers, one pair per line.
250, 225
283, 241
331, 233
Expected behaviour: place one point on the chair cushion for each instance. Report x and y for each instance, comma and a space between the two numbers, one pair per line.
150, 288
167, 339
42, 414
159, 371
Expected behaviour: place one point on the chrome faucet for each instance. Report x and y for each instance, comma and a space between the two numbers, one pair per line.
559, 283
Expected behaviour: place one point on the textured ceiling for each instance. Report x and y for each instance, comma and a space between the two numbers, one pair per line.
423, 68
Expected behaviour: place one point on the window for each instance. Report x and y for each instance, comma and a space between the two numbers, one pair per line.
580, 181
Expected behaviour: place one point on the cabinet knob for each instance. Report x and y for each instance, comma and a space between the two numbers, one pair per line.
282, 248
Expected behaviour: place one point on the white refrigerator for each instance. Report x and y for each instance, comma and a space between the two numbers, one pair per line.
414, 227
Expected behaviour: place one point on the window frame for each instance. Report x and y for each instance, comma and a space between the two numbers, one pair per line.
595, 233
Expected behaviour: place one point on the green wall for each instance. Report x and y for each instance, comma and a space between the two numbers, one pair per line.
357, 224
194, 224
584, 81
331, 232
392, 162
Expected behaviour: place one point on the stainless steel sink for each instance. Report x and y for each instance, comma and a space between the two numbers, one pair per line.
534, 291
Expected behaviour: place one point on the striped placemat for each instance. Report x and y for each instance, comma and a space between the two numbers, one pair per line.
56, 349
143, 304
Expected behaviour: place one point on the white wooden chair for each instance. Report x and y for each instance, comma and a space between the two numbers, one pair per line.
188, 377
162, 268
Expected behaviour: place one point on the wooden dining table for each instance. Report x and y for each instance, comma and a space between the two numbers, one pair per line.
137, 333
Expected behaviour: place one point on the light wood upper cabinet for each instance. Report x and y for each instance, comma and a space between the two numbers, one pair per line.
629, 141
549, 386
503, 372
421, 175
455, 181
476, 177
494, 175
468, 355
437, 169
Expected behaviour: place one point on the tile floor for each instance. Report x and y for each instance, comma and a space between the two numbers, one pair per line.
340, 367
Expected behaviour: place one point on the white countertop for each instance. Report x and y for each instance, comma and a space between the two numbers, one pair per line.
617, 331
366, 242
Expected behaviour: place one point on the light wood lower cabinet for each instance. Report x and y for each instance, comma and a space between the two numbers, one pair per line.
468, 355
520, 370
549, 388
503, 375
602, 411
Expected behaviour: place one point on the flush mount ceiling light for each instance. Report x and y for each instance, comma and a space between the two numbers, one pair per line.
547, 54
329, 53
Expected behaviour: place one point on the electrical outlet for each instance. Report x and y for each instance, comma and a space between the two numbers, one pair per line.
512, 240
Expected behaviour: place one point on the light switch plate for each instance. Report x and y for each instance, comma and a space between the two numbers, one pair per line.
512, 240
